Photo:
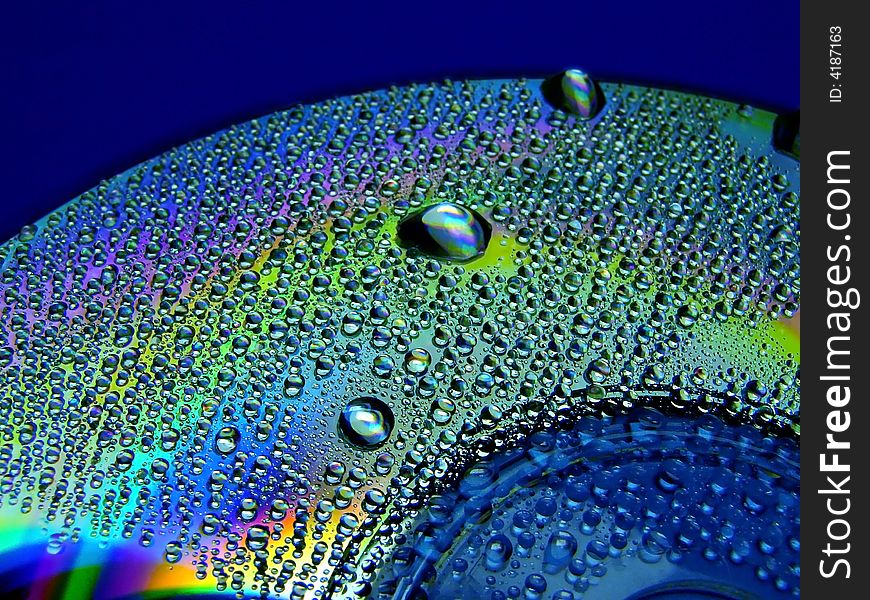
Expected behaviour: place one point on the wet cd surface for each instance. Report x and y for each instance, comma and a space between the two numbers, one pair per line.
481, 339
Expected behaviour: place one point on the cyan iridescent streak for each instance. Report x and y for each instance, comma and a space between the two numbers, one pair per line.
197, 298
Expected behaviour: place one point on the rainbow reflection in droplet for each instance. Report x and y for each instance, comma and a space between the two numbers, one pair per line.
446, 230
575, 92
366, 422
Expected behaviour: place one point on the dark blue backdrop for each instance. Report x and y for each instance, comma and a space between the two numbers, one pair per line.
89, 89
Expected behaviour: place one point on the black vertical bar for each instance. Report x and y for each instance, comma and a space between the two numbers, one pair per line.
834, 241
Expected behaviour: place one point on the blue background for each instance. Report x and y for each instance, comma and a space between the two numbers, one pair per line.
89, 89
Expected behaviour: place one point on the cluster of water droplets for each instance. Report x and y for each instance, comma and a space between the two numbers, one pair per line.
639, 505
259, 354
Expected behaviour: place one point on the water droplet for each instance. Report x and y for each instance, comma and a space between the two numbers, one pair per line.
787, 134
497, 552
417, 361
560, 549
366, 422
227, 440
258, 537
575, 92
173, 552
446, 230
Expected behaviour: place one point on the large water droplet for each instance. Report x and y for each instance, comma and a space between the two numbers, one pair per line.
258, 537
446, 230
497, 553
227, 440
787, 133
366, 422
417, 361
575, 92
560, 549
